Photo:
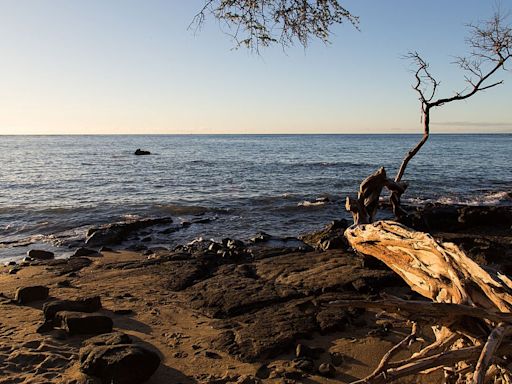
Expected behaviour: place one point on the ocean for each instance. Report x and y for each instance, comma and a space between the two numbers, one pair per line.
53, 188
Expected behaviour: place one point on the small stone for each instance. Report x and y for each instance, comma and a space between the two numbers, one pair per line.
81, 252
39, 254
123, 312
64, 284
327, 370
106, 249
263, 372
305, 365
212, 355
337, 358
304, 351
29, 294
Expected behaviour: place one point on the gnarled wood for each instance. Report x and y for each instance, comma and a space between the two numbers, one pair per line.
471, 304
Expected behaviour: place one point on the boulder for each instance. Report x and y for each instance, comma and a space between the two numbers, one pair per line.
120, 364
87, 305
79, 323
113, 338
38, 254
140, 152
27, 295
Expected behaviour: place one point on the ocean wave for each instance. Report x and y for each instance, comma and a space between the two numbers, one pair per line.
488, 198
185, 210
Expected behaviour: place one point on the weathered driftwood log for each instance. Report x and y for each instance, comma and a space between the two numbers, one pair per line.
471, 314
364, 208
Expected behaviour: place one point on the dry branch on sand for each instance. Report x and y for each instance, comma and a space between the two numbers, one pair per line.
470, 313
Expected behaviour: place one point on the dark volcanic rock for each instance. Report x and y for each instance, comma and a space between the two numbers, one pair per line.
268, 332
183, 274
38, 254
87, 305
78, 323
115, 233
120, 364
113, 338
324, 271
327, 370
331, 237
65, 266
27, 295
140, 152
85, 252
228, 293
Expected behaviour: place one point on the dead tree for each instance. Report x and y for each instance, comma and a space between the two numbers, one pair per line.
260, 23
471, 308
490, 45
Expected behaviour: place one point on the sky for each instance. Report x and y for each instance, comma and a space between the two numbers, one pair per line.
134, 67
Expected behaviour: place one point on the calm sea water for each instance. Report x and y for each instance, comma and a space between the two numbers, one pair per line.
55, 187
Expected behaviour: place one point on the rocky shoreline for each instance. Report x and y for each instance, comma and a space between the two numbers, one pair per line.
217, 312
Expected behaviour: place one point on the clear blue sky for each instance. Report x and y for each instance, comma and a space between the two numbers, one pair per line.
131, 66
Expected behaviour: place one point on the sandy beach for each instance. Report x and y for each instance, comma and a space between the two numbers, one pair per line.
232, 311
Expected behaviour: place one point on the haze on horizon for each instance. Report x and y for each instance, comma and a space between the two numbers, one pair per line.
131, 67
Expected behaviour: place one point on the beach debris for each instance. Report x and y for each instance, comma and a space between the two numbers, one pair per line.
27, 295
39, 254
140, 152
118, 363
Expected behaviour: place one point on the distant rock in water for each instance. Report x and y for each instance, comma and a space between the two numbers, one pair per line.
140, 152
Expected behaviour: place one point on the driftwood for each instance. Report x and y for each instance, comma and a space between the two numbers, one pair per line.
470, 312
365, 207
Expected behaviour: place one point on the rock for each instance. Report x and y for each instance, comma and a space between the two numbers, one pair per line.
13, 271
260, 237
79, 323
212, 355
10, 263
27, 295
140, 152
88, 305
263, 372
304, 351
327, 370
113, 338
115, 233
64, 284
80, 252
337, 358
331, 237
38, 254
120, 364
106, 249
69, 266
123, 312
305, 365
